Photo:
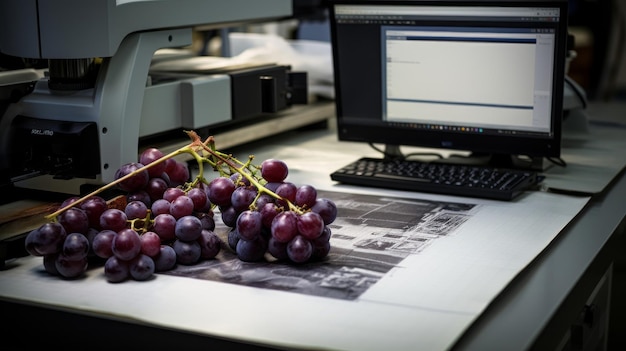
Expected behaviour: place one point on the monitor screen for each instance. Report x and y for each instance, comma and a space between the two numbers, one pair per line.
479, 76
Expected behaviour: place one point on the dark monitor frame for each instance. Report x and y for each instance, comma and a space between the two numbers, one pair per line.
358, 92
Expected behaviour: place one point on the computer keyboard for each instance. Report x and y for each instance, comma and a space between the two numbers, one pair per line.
440, 178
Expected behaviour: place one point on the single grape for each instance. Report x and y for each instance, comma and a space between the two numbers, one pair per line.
233, 239
141, 267
229, 216
277, 249
74, 220
113, 219
156, 187
69, 201
75, 247
306, 195
45, 240
249, 224
160, 206
220, 191
150, 243
50, 264
136, 209
103, 242
126, 244
171, 193
199, 198
284, 226
262, 200
91, 235
188, 228
287, 191
181, 206
299, 249
208, 222
116, 270
187, 252
251, 250
268, 212
326, 208
164, 225
274, 170
242, 197
179, 174
310, 225
165, 260
94, 206
210, 244
135, 182
150, 155
239, 179
68, 268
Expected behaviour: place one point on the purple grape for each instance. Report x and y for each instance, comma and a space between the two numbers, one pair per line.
268, 212
220, 191
69, 201
68, 268
208, 222
113, 219
242, 197
116, 270
327, 209
299, 249
50, 264
94, 207
274, 170
150, 155
287, 191
136, 209
75, 247
170, 194
210, 244
179, 173
164, 225
284, 226
233, 238
188, 228
141, 267
181, 206
103, 242
310, 225
249, 224
135, 182
160, 206
74, 220
199, 198
150, 244
156, 187
229, 216
262, 200
306, 195
251, 250
187, 252
277, 249
126, 244
45, 240
165, 259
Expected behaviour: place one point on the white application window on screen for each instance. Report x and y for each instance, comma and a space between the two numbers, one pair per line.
478, 77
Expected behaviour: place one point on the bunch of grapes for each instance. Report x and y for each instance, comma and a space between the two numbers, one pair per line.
269, 214
165, 218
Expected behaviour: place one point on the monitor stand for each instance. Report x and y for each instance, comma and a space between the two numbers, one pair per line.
480, 159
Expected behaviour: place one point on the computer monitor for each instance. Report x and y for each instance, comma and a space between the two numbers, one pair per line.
480, 76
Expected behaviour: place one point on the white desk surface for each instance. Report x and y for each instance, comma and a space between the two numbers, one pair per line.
427, 302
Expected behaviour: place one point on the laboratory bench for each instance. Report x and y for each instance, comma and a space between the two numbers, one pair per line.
565, 294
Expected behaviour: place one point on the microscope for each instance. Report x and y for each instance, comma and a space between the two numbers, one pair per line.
77, 121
